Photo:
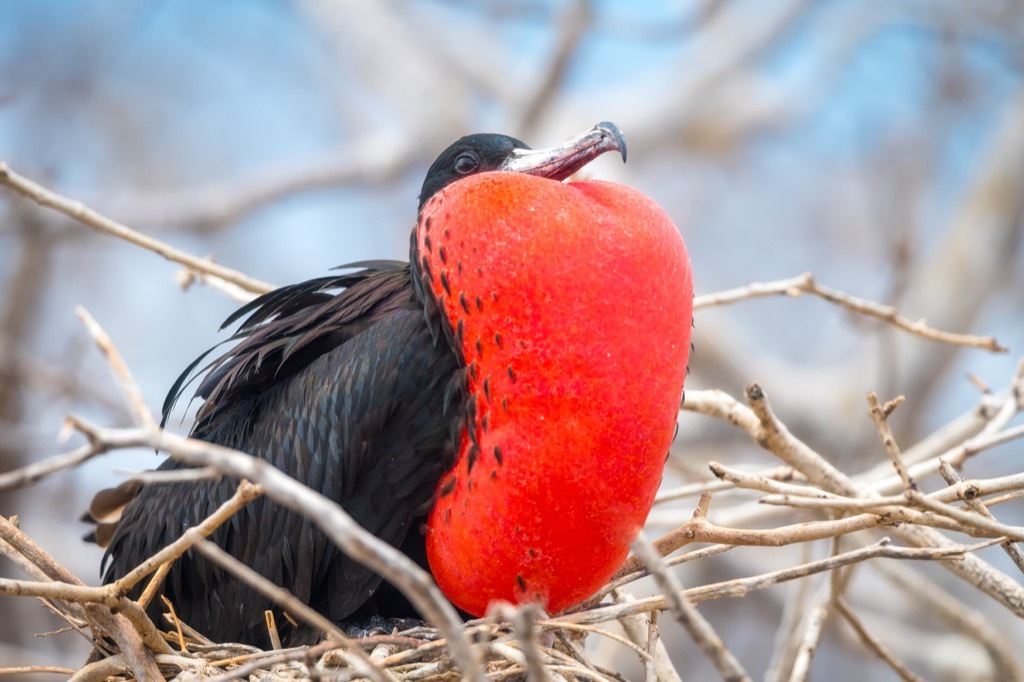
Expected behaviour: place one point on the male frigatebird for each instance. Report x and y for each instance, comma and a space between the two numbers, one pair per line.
500, 408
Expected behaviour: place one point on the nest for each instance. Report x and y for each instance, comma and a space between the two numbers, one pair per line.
417, 653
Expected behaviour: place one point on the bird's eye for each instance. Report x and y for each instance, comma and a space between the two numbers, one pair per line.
466, 163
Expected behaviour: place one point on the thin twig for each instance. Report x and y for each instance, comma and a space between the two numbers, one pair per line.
126, 382
35, 669
873, 643
742, 586
625, 576
522, 619
812, 633
805, 284
90, 218
353, 653
245, 493
880, 415
134, 633
153, 586
1011, 548
266, 660
650, 666
35, 471
780, 442
698, 627
550, 625
773, 435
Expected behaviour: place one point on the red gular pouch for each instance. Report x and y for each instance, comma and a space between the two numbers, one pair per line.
571, 306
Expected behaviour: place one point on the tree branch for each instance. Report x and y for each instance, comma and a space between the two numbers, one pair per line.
102, 224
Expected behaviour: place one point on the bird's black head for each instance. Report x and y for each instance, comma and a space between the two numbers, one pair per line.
491, 152
471, 154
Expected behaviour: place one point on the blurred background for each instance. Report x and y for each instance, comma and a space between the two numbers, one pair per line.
878, 145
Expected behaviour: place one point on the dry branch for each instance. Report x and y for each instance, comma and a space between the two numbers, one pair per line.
812, 633
805, 284
742, 586
873, 643
761, 427
975, 502
136, 638
689, 617
92, 219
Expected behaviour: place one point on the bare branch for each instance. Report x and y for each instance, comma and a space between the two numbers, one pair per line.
245, 493
873, 643
523, 619
650, 666
136, 637
805, 284
812, 633
31, 473
880, 415
689, 617
773, 436
742, 586
140, 412
972, 569
30, 669
974, 502
94, 220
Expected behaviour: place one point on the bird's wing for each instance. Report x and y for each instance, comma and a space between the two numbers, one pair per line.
286, 329
363, 423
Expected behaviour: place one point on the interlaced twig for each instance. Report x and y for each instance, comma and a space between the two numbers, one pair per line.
686, 613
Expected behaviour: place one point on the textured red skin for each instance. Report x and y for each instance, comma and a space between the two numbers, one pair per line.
589, 286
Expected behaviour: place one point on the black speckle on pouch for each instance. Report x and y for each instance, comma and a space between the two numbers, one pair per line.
448, 488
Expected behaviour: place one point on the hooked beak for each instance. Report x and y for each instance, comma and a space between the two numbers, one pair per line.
558, 163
